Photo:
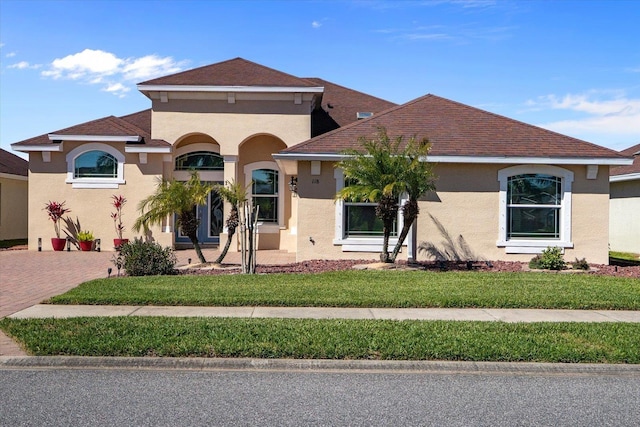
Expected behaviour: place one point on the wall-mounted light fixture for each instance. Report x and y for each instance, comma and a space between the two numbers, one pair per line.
293, 185
39, 244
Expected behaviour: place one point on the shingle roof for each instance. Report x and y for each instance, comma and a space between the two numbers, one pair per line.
136, 124
455, 129
625, 170
12, 164
233, 72
340, 105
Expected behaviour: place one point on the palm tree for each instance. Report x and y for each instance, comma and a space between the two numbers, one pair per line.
234, 194
179, 198
381, 173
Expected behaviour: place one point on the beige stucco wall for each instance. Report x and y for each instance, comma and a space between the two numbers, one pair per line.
92, 206
231, 124
466, 207
624, 224
14, 192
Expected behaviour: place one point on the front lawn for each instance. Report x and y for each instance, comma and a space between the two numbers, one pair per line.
329, 339
367, 289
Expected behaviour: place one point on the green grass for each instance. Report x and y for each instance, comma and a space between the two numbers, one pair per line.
624, 256
5, 244
367, 289
329, 339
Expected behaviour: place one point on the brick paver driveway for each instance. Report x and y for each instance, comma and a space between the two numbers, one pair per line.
29, 277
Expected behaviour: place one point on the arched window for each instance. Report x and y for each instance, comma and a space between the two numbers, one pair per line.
95, 164
199, 160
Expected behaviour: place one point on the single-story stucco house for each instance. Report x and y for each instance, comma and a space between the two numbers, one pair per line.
505, 189
624, 219
14, 191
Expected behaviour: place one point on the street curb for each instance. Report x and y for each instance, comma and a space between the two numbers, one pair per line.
310, 365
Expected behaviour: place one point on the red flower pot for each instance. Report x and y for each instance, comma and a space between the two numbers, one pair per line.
58, 244
119, 242
86, 246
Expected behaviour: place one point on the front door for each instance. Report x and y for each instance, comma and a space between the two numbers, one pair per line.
211, 218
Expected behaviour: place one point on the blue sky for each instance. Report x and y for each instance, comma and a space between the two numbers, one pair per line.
569, 66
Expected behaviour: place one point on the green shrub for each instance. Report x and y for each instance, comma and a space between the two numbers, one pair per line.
581, 264
141, 258
549, 259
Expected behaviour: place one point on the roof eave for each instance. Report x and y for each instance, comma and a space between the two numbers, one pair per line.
625, 177
95, 138
203, 88
476, 159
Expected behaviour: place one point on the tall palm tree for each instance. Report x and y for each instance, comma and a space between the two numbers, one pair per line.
234, 194
380, 173
179, 198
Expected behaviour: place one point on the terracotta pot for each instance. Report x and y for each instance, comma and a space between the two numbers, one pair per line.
119, 242
58, 244
86, 246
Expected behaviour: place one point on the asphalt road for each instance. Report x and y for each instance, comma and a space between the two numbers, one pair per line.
109, 397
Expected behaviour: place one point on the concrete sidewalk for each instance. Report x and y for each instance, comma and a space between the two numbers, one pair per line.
475, 314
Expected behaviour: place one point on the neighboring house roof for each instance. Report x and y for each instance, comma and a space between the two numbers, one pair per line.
136, 124
12, 164
340, 106
457, 131
621, 173
233, 72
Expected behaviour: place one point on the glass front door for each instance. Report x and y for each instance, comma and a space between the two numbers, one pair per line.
211, 218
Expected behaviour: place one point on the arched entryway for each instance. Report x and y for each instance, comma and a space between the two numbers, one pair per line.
201, 153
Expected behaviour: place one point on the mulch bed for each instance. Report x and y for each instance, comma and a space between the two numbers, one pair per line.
319, 266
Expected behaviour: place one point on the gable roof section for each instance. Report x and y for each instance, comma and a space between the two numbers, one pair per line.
233, 72
12, 164
459, 133
340, 106
134, 128
629, 172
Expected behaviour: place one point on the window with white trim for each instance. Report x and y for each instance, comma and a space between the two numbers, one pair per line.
267, 188
535, 208
95, 165
357, 226
264, 192
199, 160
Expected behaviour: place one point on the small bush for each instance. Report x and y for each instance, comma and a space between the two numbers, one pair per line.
549, 259
581, 264
141, 258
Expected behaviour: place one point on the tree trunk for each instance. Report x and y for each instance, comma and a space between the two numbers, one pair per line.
227, 245
410, 212
189, 226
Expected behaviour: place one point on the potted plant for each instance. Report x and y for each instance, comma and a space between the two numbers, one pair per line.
85, 240
118, 202
55, 211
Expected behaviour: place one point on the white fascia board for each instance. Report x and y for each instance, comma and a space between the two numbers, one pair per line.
95, 138
475, 159
625, 177
196, 88
28, 148
143, 149
15, 177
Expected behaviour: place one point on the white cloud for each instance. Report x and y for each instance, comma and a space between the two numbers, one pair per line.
316, 24
104, 68
10, 54
599, 112
24, 65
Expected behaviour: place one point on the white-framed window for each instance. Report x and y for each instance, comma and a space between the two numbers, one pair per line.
267, 189
357, 228
535, 208
95, 165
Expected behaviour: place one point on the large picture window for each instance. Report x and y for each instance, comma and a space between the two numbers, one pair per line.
265, 194
95, 164
535, 208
